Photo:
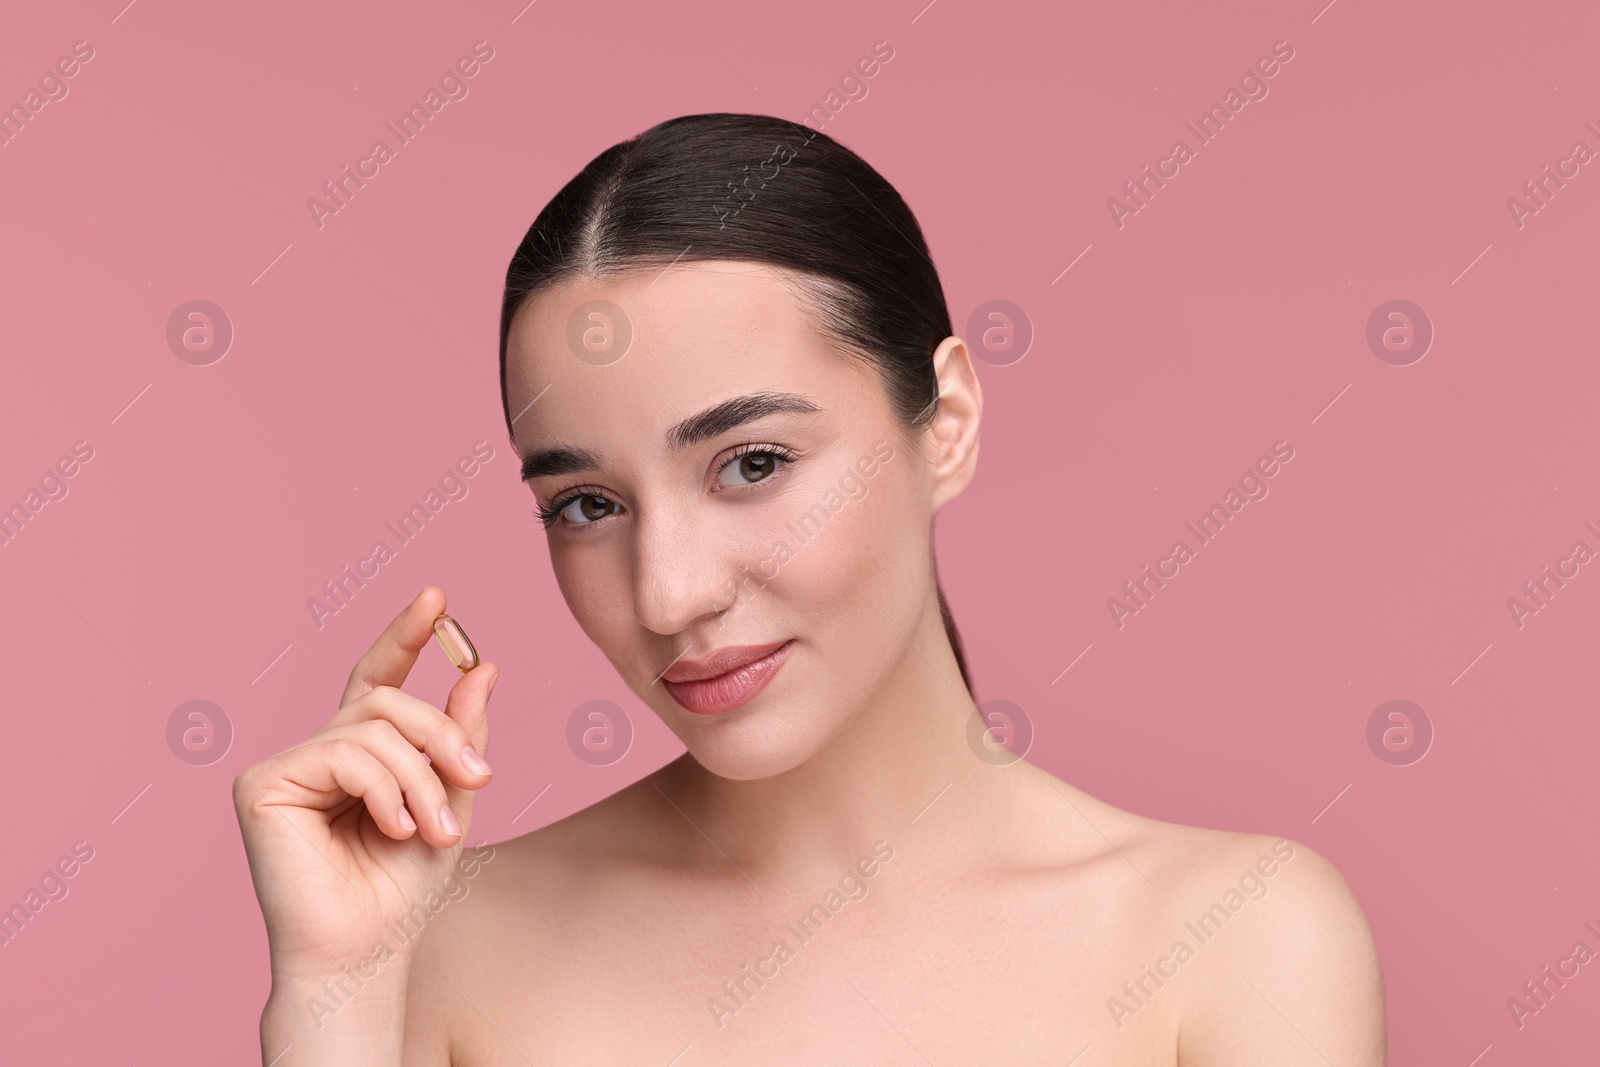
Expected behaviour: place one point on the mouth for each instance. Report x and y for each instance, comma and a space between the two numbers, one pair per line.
743, 672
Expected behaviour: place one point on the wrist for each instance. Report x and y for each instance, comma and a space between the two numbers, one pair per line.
335, 1020
347, 970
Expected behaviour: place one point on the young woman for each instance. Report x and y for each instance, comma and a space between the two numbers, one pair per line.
728, 370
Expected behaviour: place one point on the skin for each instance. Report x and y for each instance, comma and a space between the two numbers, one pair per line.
1004, 909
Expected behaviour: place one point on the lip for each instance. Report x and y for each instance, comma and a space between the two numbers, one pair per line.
725, 679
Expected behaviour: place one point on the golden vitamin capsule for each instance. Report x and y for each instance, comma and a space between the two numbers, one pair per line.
455, 642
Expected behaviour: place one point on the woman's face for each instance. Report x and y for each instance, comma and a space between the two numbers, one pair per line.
730, 481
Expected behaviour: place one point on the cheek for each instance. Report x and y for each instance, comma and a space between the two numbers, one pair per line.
593, 593
872, 545
817, 581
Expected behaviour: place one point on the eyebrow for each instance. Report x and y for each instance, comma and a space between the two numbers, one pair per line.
717, 419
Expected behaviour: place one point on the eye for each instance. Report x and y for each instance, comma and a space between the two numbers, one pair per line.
586, 505
753, 463
577, 508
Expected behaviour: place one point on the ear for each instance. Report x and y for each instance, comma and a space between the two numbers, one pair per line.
952, 438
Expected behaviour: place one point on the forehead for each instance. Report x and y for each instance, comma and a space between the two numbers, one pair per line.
591, 357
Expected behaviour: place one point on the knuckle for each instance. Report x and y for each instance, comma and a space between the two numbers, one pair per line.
443, 732
425, 783
397, 750
343, 750
250, 780
381, 697
378, 731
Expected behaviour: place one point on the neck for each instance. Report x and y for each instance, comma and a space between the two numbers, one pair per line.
900, 766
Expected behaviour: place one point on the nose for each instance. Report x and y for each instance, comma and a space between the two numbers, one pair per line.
682, 574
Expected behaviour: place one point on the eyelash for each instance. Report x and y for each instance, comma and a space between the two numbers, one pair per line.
550, 514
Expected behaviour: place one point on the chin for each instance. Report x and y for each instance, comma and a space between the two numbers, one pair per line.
763, 744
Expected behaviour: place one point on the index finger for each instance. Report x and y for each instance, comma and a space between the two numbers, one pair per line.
392, 655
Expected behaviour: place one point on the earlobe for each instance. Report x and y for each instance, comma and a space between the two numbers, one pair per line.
954, 430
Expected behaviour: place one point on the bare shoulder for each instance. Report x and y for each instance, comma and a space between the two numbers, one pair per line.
1264, 952
1175, 860
1283, 955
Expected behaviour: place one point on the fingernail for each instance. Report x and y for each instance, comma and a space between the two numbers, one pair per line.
492, 682
448, 818
406, 820
474, 762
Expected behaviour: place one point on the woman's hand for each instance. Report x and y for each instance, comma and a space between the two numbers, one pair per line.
350, 830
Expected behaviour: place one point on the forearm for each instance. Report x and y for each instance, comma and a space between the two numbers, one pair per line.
307, 1023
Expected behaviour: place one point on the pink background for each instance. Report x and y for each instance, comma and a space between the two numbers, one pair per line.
1224, 317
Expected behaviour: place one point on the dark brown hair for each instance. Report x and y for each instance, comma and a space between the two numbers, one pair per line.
763, 189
